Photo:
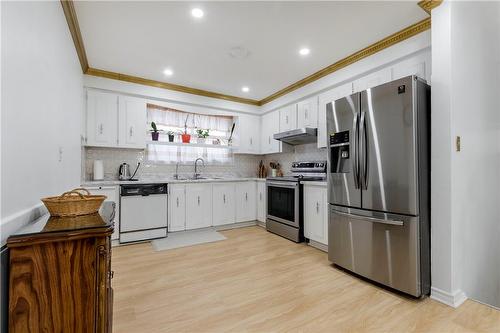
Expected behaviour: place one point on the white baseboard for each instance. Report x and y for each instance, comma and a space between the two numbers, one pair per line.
261, 224
454, 300
235, 225
319, 246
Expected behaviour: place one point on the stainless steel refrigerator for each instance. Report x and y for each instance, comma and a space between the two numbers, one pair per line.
379, 184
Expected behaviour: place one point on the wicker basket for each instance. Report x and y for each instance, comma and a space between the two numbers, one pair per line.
74, 203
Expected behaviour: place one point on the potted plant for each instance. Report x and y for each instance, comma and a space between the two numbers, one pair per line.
170, 136
155, 132
202, 135
186, 138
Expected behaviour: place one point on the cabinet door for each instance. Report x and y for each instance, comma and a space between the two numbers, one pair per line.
315, 220
324, 99
102, 119
372, 80
288, 118
112, 194
415, 66
177, 200
270, 126
224, 207
198, 206
246, 201
261, 201
248, 134
307, 113
132, 122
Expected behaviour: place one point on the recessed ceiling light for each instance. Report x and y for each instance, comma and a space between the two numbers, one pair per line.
304, 51
197, 12
168, 72
245, 89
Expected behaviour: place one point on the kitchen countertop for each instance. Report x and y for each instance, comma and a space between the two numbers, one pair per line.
168, 181
314, 183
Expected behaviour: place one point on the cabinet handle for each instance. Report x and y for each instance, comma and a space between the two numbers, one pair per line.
246, 196
260, 196
286, 119
251, 141
269, 139
224, 197
111, 274
131, 131
177, 201
306, 114
101, 127
198, 200
317, 207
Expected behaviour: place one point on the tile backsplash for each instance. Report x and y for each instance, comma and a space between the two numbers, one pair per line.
242, 165
308, 152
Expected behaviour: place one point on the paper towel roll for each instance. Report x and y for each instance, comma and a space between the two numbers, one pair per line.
98, 170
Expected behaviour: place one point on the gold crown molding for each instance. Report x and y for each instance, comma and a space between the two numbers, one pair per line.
414, 29
395, 38
429, 5
169, 86
74, 29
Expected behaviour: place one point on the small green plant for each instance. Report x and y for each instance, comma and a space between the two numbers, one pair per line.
202, 133
154, 129
170, 133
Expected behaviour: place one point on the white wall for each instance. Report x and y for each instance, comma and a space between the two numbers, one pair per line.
42, 100
466, 201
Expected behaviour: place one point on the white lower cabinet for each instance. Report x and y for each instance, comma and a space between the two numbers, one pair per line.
246, 206
198, 206
177, 207
261, 201
224, 207
315, 213
112, 194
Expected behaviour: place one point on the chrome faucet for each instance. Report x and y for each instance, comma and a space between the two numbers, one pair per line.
196, 174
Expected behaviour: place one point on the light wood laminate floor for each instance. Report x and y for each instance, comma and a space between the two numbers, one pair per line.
258, 282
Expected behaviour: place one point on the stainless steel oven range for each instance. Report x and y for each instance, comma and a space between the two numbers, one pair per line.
284, 199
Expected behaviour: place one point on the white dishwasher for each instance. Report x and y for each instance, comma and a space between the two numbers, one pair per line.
143, 212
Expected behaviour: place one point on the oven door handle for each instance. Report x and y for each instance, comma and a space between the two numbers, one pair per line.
282, 184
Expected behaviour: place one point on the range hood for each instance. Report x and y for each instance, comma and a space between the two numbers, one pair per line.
298, 136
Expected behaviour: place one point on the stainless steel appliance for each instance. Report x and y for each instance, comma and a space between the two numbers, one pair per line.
379, 184
298, 136
284, 199
124, 172
143, 212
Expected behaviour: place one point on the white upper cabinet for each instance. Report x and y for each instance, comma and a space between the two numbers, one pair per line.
102, 115
315, 214
177, 207
261, 201
288, 118
324, 99
413, 66
132, 122
307, 113
224, 207
374, 79
270, 125
247, 134
198, 206
246, 207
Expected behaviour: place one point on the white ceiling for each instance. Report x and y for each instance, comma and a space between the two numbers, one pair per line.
144, 38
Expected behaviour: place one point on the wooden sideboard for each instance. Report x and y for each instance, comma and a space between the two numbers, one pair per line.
60, 274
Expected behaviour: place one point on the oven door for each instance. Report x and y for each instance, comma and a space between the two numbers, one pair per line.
283, 202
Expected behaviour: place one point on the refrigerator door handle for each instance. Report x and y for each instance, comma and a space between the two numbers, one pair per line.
363, 152
355, 165
372, 219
